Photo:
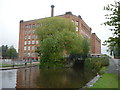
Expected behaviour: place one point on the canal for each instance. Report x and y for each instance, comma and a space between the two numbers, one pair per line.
34, 77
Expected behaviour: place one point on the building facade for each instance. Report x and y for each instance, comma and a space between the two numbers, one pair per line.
95, 45
28, 40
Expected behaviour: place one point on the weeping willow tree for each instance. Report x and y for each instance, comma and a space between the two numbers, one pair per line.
57, 38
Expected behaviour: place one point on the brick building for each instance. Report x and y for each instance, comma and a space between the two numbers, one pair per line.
28, 40
96, 45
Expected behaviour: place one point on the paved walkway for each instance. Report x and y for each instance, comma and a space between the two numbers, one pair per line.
114, 66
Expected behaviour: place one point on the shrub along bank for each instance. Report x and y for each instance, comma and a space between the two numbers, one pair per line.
97, 63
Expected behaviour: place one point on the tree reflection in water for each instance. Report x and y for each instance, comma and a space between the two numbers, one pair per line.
63, 78
52, 78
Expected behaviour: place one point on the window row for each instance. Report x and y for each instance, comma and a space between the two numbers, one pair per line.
30, 26
30, 42
31, 37
29, 54
30, 47
76, 22
29, 32
33, 25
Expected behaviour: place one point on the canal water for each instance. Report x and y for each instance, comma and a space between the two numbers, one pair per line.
34, 77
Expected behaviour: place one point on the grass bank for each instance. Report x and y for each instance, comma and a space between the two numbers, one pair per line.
10, 65
108, 80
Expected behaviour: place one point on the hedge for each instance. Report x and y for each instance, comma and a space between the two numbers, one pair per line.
96, 63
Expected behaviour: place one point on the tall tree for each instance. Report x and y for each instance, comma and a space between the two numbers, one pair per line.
57, 37
8, 53
4, 51
113, 20
12, 53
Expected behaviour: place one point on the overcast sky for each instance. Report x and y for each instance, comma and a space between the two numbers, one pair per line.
12, 11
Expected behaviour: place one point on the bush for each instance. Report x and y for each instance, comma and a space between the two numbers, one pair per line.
102, 70
96, 63
105, 61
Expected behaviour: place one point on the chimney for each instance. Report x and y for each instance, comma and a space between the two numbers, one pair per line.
52, 10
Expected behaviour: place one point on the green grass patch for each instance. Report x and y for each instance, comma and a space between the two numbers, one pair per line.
108, 80
9, 65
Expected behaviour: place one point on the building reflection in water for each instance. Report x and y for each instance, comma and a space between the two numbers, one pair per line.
26, 77
34, 77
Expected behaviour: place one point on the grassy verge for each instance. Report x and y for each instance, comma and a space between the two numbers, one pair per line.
10, 65
108, 80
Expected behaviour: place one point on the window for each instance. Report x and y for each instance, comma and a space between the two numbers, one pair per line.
33, 36
25, 54
28, 26
28, 47
33, 25
25, 26
29, 37
37, 42
28, 54
77, 28
24, 47
29, 42
25, 32
33, 42
77, 23
33, 47
25, 37
25, 42
29, 32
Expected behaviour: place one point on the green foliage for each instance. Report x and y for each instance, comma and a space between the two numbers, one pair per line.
4, 50
102, 70
96, 63
86, 47
50, 26
12, 53
51, 51
57, 38
9, 53
113, 20
105, 61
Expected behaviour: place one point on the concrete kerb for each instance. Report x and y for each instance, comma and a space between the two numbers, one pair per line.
93, 81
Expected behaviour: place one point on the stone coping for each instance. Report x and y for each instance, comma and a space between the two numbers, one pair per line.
93, 81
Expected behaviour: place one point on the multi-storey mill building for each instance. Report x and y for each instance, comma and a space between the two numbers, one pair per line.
28, 40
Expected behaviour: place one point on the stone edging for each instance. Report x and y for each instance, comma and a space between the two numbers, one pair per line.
90, 83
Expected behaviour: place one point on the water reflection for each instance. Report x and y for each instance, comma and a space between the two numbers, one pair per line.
52, 78
8, 78
26, 78
45, 78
